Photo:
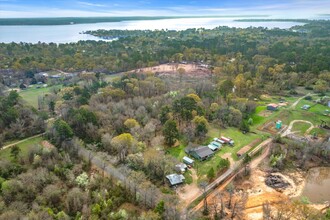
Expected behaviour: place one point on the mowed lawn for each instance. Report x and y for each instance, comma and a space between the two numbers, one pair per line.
314, 114
31, 95
24, 146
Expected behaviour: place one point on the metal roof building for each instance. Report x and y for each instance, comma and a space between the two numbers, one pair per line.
188, 161
175, 179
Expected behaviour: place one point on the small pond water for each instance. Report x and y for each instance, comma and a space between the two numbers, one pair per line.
317, 187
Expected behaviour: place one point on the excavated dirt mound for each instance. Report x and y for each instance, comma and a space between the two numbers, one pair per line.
276, 182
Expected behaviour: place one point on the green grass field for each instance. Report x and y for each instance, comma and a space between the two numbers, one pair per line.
31, 95
301, 127
314, 114
319, 132
23, 146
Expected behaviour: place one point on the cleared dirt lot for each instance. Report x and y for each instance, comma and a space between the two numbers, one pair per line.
172, 68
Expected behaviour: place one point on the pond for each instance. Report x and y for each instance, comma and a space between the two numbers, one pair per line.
317, 187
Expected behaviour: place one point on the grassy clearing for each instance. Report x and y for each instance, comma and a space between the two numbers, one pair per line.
23, 146
240, 139
260, 120
301, 127
31, 95
314, 114
188, 177
257, 119
177, 152
112, 77
319, 132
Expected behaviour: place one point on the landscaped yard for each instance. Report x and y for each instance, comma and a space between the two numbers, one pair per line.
23, 146
31, 95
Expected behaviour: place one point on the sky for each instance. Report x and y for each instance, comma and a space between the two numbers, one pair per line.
95, 8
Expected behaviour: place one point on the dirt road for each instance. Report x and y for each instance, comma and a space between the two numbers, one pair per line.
21, 141
298, 100
289, 129
254, 163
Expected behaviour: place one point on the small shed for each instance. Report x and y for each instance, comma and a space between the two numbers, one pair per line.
272, 107
329, 104
278, 124
306, 107
175, 179
181, 167
188, 161
243, 151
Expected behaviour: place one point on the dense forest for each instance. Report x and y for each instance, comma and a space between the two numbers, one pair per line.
276, 59
17, 119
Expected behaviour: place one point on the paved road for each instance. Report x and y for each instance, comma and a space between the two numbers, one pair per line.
21, 141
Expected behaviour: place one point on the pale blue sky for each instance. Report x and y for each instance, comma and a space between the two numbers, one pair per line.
76, 8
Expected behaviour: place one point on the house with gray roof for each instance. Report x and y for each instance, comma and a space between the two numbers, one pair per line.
175, 179
188, 161
200, 153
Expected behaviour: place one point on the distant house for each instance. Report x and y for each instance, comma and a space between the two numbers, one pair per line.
272, 107
175, 179
200, 153
23, 86
306, 107
243, 151
57, 76
181, 167
188, 161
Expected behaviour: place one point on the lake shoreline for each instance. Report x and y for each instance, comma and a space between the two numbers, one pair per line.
60, 34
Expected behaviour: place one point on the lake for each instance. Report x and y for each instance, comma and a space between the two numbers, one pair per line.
71, 33
317, 187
